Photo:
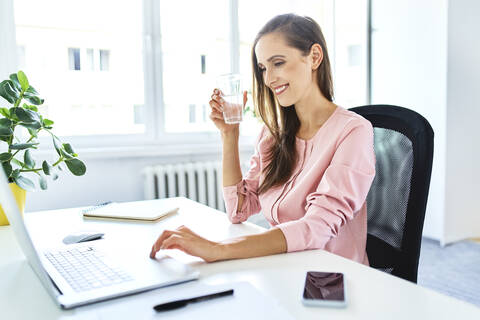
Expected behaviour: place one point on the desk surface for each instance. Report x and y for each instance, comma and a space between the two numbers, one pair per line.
371, 293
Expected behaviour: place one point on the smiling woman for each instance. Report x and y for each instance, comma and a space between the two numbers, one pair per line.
313, 164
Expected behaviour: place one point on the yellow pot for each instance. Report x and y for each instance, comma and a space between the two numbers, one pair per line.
20, 196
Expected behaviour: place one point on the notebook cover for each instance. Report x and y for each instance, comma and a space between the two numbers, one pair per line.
138, 210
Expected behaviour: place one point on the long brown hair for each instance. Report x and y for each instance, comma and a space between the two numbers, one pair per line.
282, 122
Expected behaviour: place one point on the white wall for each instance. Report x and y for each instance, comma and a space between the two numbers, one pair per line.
409, 69
463, 114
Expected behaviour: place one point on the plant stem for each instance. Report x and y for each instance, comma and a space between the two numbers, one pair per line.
25, 142
30, 170
39, 169
56, 163
19, 99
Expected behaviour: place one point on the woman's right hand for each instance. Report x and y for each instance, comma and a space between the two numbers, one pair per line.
216, 114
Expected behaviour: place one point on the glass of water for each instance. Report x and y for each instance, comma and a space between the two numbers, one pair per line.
231, 89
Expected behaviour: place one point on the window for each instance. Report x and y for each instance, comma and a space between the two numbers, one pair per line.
72, 50
90, 60
192, 35
145, 70
74, 58
104, 60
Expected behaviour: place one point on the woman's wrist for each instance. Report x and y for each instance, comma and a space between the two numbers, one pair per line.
231, 134
221, 252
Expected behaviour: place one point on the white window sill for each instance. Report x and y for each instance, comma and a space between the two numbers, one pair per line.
158, 150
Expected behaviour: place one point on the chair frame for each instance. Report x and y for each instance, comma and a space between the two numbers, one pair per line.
404, 262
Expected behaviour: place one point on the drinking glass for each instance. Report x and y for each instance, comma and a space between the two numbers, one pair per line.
231, 89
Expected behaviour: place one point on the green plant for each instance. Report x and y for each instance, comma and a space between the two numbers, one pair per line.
17, 160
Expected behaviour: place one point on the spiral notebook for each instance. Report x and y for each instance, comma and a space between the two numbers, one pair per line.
151, 210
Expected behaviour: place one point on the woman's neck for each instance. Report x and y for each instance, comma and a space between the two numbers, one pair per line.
313, 110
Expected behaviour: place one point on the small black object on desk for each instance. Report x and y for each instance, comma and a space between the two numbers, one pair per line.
182, 303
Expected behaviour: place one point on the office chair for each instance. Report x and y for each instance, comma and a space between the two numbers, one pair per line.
397, 199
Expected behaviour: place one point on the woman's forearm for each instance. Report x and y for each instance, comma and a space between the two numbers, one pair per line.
232, 173
270, 242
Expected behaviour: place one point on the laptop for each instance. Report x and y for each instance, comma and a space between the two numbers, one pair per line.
84, 273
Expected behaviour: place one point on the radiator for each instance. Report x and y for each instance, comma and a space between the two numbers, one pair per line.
199, 181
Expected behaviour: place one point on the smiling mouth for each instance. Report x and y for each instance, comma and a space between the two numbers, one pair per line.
280, 90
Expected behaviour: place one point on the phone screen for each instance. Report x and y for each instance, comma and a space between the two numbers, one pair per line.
324, 286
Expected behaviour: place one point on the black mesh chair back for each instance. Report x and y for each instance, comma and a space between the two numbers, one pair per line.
397, 200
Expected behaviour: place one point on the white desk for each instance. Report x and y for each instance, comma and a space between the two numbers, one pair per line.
371, 294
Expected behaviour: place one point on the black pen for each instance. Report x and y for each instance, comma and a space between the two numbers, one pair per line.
182, 303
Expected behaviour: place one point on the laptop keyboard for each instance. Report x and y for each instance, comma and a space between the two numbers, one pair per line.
85, 269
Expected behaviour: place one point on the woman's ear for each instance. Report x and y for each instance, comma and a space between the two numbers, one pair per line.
316, 54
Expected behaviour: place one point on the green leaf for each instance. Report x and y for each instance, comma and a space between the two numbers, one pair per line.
15, 173
34, 99
5, 91
15, 81
33, 132
67, 151
7, 167
26, 115
31, 91
29, 107
21, 146
18, 162
43, 183
4, 122
27, 158
6, 156
22, 78
13, 116
68, 148
54, 176
25, 183
47, 169
55, 144
47, 122
5, 112
76, 166
33, 125
5, 132
66, 155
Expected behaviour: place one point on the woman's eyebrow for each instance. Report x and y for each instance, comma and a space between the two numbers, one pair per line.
273, 57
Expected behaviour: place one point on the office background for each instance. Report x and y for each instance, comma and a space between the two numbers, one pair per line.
423, 56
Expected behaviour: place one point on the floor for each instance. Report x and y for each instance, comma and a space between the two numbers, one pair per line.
453, 270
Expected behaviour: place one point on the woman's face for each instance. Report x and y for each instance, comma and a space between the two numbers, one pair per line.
285, 70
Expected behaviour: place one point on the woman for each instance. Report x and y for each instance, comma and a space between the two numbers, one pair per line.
313, 163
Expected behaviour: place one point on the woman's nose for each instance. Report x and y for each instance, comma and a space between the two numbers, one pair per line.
269, 78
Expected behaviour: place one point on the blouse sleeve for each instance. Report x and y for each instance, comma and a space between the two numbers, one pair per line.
247, 187
340, 194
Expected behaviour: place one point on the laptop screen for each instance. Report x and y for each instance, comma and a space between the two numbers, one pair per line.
21, 234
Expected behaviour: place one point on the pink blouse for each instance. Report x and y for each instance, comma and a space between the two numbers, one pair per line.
322, 205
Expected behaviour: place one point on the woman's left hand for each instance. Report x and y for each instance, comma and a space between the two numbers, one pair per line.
189, 242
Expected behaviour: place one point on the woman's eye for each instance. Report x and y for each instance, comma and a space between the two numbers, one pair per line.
279, 63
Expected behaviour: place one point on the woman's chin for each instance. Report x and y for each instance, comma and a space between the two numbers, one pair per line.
285, 104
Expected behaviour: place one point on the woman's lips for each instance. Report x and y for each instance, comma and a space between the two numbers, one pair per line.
281, 89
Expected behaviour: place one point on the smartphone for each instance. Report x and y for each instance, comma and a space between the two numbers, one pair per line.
324, 289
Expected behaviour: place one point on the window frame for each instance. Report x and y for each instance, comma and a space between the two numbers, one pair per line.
155, 134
